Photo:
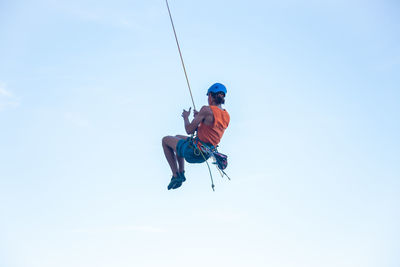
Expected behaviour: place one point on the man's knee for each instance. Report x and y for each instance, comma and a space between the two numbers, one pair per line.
166, 140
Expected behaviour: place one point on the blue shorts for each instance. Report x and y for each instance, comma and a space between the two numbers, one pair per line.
187, 150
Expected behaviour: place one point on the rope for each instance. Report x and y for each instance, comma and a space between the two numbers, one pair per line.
200, 152
180, 54
209, 170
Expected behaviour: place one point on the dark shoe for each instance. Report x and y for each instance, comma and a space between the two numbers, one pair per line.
182, 175
181, 178
174, 181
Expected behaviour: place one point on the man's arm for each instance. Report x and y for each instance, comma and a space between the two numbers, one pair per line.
191, 127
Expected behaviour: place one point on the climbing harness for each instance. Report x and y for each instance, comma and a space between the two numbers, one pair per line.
220, 160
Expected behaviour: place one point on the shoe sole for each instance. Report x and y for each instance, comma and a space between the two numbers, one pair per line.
178, 184
173, 183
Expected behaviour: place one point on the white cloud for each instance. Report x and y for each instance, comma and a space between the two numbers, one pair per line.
7, 99
4, 92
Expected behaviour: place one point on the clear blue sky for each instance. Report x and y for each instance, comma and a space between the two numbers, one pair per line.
89, 88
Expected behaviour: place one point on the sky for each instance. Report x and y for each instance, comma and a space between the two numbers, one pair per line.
89, 88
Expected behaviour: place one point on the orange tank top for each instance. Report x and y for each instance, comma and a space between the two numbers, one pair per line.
213, 133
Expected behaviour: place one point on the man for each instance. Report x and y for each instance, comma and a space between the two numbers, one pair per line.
210, 123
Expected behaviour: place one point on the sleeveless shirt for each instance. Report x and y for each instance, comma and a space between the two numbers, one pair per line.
213, 133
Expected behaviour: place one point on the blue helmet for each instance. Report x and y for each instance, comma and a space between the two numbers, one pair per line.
217, 87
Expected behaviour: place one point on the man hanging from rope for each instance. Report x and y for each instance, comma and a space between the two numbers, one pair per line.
210, 123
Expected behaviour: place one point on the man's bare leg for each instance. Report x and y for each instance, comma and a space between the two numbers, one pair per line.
169, 146
181, 161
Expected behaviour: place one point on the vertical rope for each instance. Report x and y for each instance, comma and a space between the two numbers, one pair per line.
180, 54
209, 170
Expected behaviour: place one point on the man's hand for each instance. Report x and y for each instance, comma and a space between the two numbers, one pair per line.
185, 114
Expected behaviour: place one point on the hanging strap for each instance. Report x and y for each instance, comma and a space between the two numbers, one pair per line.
209, 170
211, 150
199, 151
